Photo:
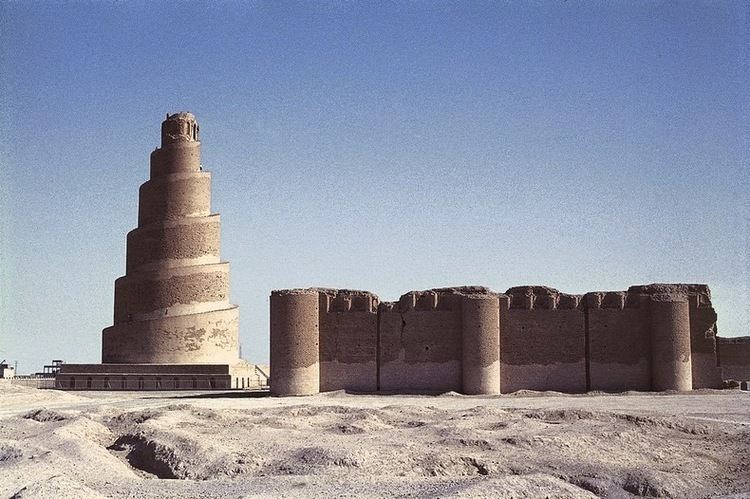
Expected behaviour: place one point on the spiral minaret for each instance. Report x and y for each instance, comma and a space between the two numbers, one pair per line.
172, 305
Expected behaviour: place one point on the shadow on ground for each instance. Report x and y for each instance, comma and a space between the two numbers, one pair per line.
235, 394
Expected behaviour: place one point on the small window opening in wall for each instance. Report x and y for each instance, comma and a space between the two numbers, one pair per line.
123, 382
72, 383
212, 383
140, 383
158, 383
195, 383
106, 382
88, 382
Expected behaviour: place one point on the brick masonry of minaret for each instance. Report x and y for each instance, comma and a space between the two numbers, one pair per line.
172, 306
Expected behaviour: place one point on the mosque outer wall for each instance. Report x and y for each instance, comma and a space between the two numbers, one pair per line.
348, 322
473, 340
734, 358
420, 342
542, 340
619, 346
704, 342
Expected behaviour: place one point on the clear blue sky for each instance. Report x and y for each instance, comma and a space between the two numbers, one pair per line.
375, 145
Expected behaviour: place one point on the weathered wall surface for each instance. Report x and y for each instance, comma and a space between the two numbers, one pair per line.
177, 243
671, 367
420, 342
295, 342
700, 338
174, 196
734, 358
174, 290
210, 337
619, 341
476, 341
480, 333
542, 340
348, 340
706, 373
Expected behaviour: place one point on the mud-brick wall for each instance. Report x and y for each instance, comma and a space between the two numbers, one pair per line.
295, 342
472, 340
542, 340
734, 358
619, 340
420, 342
706, 373
348, 340
700, 335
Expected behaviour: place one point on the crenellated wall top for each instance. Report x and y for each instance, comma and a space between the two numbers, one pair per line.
517, 297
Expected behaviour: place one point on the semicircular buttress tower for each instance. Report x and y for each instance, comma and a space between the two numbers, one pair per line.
172, 305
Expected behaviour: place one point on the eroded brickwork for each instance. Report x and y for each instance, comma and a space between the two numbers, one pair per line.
172, 305
476, 341
734, 358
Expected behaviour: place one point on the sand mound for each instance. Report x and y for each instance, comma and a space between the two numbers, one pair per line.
560, 415
380, 446
313, 460
178, 457
638, 482
20, 399
44, 415
690, 427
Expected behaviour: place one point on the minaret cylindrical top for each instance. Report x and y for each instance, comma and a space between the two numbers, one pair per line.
179, 127
180, 149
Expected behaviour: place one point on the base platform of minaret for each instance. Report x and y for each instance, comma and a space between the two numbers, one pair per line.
239, 376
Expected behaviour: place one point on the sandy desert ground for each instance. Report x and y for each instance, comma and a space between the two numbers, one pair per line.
241, 444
